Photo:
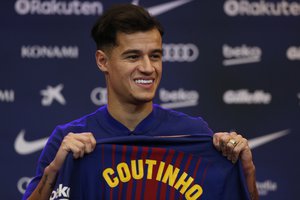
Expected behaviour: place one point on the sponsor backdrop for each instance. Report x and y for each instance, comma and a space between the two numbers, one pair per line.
236, 63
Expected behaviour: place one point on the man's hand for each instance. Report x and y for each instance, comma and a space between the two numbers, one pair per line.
234, 147
79, 144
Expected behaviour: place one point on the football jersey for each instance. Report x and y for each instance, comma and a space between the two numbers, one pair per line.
151, 167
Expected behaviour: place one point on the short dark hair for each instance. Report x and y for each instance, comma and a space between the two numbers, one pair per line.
124, 18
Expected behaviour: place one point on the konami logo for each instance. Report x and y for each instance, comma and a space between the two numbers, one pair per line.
42, 51
243, 96
7, 96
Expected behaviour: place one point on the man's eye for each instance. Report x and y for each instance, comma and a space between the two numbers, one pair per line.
132, 57
156, 56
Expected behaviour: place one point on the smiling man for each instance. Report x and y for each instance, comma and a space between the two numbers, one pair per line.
129, 53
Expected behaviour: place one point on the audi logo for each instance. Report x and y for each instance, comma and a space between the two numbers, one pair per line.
180, 52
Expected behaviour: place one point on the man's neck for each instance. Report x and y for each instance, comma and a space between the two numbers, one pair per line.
130, 115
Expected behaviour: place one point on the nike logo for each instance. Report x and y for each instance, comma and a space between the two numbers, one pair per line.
259, 141
164, 7
24, 147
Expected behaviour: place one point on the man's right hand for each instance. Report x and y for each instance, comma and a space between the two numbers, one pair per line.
77, 143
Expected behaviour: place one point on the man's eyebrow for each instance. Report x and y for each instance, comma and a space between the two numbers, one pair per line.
135, 51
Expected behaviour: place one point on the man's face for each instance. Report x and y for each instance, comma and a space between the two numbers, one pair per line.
134, 67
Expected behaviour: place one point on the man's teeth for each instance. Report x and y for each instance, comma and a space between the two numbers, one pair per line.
140, 81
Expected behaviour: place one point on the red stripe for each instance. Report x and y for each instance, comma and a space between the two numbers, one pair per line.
186, 168
139, 184
177, 164
123, 160
204, 174
113, 166
152, 184
130, 183
163, 190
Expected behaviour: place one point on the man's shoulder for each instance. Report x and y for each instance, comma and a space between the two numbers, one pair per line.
83, 123
176, 120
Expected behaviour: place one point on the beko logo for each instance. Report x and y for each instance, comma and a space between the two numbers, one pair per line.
261, 8
62, 193
53, 7
243, 96
178, 98
266, 186
40, 51
293, 53
99, 96
241, 54
180, 52
7, 96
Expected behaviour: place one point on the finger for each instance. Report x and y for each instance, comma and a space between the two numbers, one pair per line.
87, 139
77, 148
238, 149
216, 140
231, 146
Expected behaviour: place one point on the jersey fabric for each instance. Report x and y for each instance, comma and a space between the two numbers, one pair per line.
148, 168
160, 122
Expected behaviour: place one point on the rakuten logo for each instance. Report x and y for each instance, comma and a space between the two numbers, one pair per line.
261, 8
180, 52
241, 55
7, 96
293, 53
62, 192
243, 96
266, 186
53, 7
99, 96
37, 51
178, 98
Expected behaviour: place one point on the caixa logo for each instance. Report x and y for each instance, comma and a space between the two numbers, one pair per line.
53, 7
178, 98
293, 53
180, 52
99, 96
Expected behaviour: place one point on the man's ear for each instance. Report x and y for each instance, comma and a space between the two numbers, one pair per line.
101, 60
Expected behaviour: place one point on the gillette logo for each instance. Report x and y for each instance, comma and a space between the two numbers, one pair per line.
241, 54
53, 7
243, 96
234, 8
178, 98
265, 187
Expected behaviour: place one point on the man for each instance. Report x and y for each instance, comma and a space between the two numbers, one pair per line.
129, 53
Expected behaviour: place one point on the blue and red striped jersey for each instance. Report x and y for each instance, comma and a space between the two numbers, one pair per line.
152, 167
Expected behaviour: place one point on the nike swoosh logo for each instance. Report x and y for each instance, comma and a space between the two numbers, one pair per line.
164, 7
24, 147
259, 141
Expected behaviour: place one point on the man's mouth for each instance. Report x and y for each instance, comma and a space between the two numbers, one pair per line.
143, 81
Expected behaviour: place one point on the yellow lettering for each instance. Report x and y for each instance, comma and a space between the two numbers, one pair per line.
183, 183
106, 175
194, 192
123, 172
170, 175
150, 164
134, 170
160, 171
